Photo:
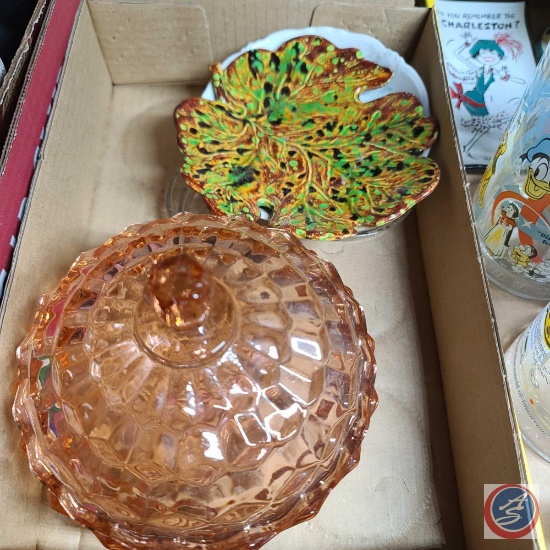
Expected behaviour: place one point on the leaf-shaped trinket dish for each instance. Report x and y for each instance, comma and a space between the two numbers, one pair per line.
291, 132
404, 79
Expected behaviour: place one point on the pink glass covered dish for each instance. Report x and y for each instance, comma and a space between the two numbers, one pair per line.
195, 382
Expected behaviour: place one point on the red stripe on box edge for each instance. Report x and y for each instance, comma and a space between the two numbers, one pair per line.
20, 163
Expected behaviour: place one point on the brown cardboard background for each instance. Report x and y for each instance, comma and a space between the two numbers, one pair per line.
169, 53
231, 24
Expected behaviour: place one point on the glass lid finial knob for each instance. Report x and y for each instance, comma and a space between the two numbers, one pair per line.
180, 290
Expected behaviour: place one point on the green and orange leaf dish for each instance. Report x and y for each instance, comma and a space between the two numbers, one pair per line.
289, 134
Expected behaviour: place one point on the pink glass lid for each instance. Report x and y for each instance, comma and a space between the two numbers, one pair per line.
196, 381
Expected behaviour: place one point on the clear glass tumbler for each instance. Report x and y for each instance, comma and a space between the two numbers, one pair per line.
528, 364
512, 206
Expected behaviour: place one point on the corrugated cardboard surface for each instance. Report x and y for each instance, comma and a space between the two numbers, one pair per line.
65, 198
109, 154
231, 24
163, 56
13, 81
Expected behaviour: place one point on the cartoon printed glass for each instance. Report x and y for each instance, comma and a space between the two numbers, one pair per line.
512, 207
198, 382
488, 61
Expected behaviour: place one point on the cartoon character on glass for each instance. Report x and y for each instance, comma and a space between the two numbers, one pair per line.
497, 239
484, 59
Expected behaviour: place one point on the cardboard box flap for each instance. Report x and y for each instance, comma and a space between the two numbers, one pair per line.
10, 88
71, 154
379, 23
478, 410
229, 26
153, 43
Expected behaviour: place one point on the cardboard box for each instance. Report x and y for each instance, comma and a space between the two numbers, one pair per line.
443, 428
13, 81
33, 104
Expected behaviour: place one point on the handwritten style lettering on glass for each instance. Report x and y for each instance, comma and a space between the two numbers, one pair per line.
488, 61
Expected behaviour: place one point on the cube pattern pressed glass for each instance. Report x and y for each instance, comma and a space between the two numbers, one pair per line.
196, 381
